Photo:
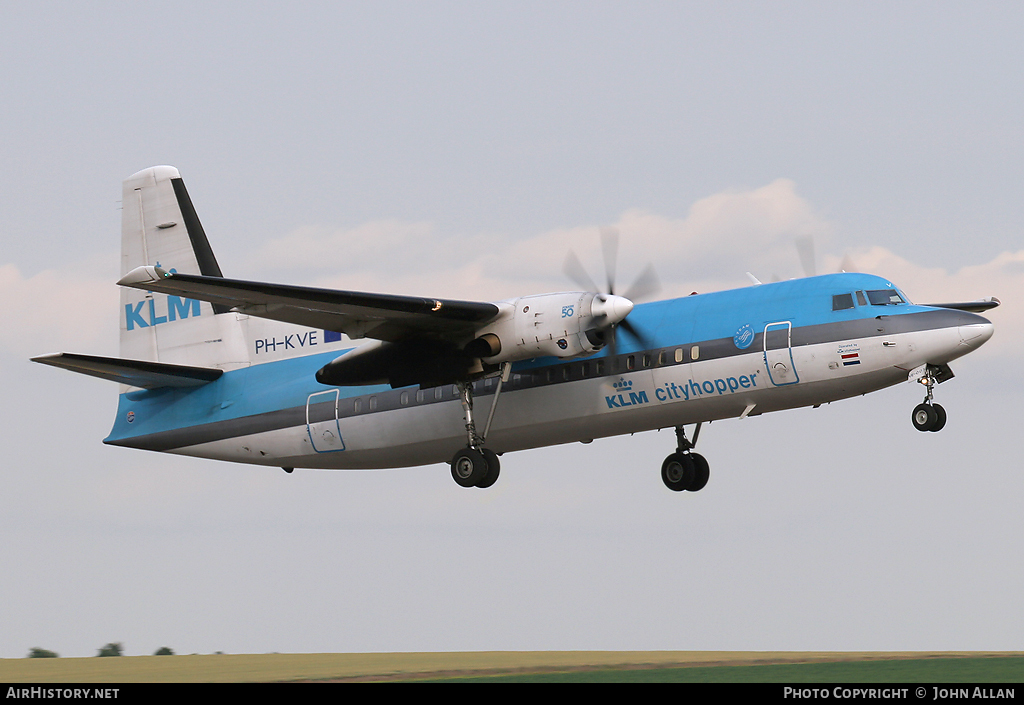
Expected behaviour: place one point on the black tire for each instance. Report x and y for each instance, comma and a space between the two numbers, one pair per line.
924, 417
468, 467
493, 468
702, 471
678, 471
940, 418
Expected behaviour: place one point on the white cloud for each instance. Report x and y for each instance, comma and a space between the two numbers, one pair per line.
722, 236
69, 309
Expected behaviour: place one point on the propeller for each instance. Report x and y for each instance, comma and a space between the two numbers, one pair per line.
808, 260
608, 306
805, 248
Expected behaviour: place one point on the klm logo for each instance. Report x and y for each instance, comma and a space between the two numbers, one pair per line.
144, 314
625, 395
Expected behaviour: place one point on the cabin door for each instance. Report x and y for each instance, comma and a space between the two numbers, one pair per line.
322, 421
778, 353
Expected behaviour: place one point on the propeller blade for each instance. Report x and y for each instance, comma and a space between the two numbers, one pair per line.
805, 247
575, 270
610, 346
610, 246
637, 335
644, 286
847, 265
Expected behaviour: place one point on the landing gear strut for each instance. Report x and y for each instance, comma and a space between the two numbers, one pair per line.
685, 470
474, 465
928, 416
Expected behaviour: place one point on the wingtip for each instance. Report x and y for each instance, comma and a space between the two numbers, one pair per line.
140, 276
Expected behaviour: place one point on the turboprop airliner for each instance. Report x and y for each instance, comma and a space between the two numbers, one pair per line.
301, 377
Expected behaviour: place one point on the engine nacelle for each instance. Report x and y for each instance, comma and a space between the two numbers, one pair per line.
560, 325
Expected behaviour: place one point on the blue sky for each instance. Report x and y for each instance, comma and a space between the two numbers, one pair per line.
459, 150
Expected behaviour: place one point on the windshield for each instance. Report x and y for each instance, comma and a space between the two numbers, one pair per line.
884, 297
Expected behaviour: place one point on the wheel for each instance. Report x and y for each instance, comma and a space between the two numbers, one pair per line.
493, 468
468, 467
940, 419
924, 417
701, 473
678, 471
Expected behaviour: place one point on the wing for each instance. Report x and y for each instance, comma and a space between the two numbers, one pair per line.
972, 306
357, 314
134, 373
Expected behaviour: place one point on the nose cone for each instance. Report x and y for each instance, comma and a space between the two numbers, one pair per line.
612, 308
974, 334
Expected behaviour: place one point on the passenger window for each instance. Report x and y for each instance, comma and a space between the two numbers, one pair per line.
630, 362
373, 403
419, 395
357, 406
585, 369
695, 352
647, 360
405, 398
438, 392
861, 301
841, 302
599, 367
679, 354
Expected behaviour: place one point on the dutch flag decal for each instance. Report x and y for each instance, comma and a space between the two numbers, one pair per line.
851, 359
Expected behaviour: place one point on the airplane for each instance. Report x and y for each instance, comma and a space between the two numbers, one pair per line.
302, 377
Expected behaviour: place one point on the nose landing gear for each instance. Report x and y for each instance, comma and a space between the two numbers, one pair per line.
685, 470
927, 415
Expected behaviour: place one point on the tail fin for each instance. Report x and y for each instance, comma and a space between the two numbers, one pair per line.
159, 222
159, 227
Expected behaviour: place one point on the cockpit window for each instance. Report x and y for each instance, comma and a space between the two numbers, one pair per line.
861, 301
841, 302
885, 297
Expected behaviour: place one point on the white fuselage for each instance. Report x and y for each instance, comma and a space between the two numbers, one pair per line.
645, 398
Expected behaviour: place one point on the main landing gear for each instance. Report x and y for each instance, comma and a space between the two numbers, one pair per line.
476, 466
685, 470
927, 415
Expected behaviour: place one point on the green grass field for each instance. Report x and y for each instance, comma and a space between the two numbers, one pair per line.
949, 670
536, 666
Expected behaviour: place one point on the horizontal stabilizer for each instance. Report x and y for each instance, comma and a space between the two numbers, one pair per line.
135, 373
972, 306
357, 314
